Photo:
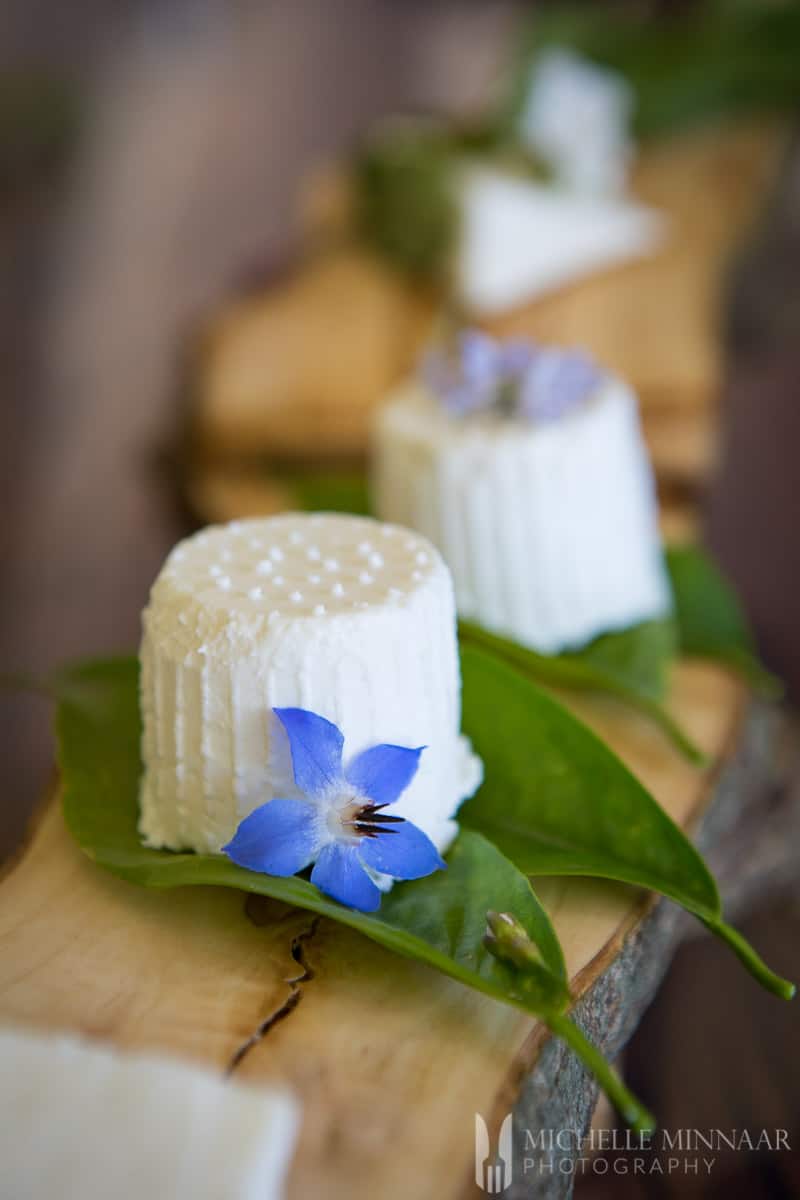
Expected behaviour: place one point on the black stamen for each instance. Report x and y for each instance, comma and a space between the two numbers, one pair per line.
370, 821
371, 830
372, 812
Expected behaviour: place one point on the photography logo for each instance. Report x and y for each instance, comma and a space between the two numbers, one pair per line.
493, 1171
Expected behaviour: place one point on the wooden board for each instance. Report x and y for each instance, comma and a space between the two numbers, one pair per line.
391, 1059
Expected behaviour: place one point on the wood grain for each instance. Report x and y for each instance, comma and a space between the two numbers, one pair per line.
391, 1060
295, 370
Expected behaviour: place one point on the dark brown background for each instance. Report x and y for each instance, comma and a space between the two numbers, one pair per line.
148, 151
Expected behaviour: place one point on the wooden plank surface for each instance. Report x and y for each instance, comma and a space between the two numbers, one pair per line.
115, 564
391, 1060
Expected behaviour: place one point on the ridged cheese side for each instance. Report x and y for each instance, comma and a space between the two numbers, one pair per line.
340, 615
550, 530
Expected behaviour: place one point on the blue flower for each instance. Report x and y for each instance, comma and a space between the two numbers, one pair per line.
465, 381
340, 824
516, 378
555, 383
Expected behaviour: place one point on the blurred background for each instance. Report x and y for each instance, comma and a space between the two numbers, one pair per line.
154, 160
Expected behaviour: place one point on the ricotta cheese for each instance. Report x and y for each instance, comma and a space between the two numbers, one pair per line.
80, 1121
550, 528
341, 615
521, 239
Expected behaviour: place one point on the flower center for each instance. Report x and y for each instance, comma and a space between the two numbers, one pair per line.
353, 818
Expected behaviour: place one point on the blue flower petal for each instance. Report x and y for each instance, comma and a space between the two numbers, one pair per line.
383, 773
516, 356
339, 873
403, 851
279, 838
481, 358
316, 746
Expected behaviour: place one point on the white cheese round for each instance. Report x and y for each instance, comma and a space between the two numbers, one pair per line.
341, 615
550, 530
79, 1120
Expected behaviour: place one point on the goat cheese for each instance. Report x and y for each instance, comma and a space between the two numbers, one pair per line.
521, 239
79, 1120
341, 615
550, 528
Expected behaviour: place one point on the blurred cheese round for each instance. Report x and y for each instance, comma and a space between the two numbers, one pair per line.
550, 530
341, 615
80, 1121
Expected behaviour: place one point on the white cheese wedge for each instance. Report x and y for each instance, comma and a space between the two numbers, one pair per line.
79, 1121
341, 615
521, 239
550, 530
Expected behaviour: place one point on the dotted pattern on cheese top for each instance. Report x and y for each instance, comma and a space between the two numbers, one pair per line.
301, 565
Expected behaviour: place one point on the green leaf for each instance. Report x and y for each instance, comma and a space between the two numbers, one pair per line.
704, 61
325, 490
631, 665
405, 199
710, 620
548, 777
557, 801
439, 921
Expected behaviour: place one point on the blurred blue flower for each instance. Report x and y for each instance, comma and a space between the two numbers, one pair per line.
340, 824
556, 382
517, 378
467, 381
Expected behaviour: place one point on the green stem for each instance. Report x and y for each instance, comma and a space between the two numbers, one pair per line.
747, 665
660, 717
629, 1108
747, 955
